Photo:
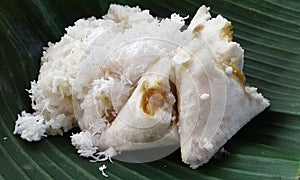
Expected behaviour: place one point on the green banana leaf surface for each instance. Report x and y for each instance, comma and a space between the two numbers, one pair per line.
266, 148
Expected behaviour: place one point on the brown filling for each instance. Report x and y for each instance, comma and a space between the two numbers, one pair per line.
226, 32
153, 98
197, 30
236, 73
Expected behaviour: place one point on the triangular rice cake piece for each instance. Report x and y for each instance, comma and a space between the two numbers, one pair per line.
213, 102
147, 119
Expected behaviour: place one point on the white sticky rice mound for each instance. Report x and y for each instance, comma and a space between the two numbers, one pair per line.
89, 74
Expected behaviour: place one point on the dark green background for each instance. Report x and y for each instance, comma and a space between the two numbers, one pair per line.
267, 148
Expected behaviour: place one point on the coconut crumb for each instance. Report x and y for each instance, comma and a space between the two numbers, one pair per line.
207, 145
228, 70
221, 153
204, 96
252, 91
195, 165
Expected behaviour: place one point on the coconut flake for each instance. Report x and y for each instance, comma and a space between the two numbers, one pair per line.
83, 141
31, 127
85, 145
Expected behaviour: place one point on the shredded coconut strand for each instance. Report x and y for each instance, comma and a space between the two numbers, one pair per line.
102, 168
105, 155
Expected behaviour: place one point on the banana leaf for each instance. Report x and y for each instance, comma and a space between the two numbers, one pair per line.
267, 148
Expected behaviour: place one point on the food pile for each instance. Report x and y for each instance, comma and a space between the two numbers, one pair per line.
132, 81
